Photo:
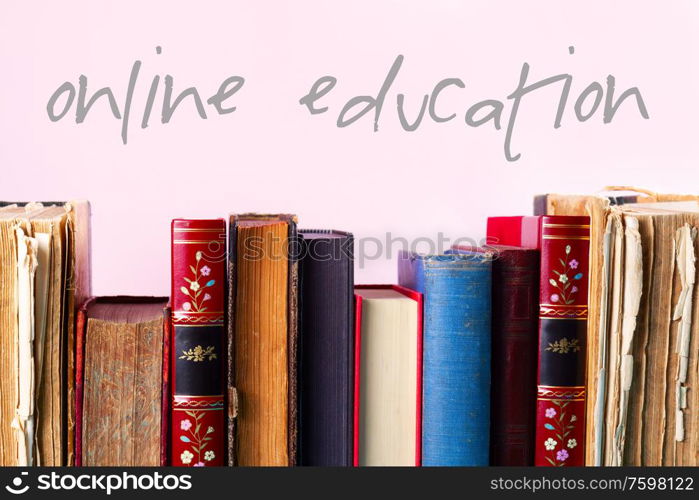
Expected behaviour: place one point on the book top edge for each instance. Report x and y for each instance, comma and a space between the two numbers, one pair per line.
324, 233
251, 216
457, 258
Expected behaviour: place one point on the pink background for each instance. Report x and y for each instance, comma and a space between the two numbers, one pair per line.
271, 155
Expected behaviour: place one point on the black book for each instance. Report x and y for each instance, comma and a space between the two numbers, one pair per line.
327, 348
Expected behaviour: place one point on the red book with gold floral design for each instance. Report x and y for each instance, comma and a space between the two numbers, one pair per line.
560, 405
198, 342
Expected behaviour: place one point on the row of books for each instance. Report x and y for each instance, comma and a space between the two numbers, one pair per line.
567, 339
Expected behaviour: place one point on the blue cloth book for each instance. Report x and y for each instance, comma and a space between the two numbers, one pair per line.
456, 354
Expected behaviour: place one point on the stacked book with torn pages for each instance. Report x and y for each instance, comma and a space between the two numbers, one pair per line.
44, 258
643, 333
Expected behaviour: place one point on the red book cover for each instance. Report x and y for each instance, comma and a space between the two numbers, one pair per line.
515, 332
516, 231
560, 406
416, 296
198, 342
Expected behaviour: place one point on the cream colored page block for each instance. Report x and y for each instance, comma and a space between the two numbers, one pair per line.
388, 377
23, 423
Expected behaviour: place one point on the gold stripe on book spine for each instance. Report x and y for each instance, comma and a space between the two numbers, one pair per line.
568, 318
577, 306
567, 387
568, 393
564, 237
568, 226
569, 313
198, 409
197, 404
199, 396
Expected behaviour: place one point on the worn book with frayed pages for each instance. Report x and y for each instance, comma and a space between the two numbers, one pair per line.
44, 275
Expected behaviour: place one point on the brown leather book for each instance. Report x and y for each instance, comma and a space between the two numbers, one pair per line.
263, 340
121, 356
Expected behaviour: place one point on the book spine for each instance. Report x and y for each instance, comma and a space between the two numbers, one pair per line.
456, 356
358, 307
166, 398
560, 406
327, 351
514, 358
197, 344
80, 327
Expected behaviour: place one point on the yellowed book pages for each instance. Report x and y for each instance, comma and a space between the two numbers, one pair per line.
648, 325
62, 280
633, 286
121, 419
635, 432
613, 388
388, 374
54, 377
684, 242
8, 347
261, 336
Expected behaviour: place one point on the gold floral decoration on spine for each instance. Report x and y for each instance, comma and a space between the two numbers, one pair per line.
199, 354
564, 346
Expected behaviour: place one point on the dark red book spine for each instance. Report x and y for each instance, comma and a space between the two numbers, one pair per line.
515, 325
560, 406
198, 342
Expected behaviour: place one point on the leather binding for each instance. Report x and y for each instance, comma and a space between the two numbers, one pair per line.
456, 354
198, 342
166, 400
233, 441
416, 296
515, 327
563, 309
80, 327
326, 368
80, 337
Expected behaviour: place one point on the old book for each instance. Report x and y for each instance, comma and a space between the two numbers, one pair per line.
650, 342
120, 357
198, 423
515, 329
456, 354
388, 376
607, 271
44, 270
563, 312
263, 339
326, 348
